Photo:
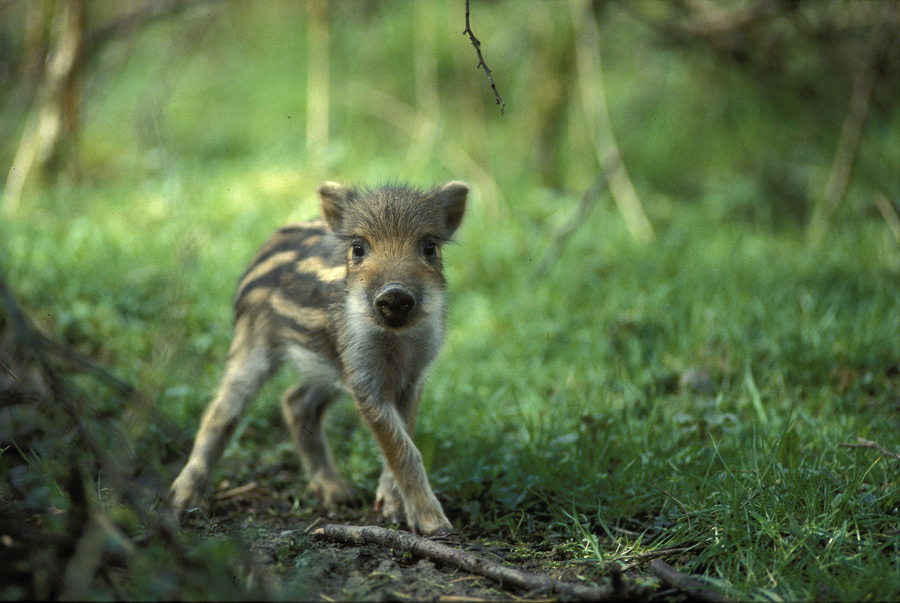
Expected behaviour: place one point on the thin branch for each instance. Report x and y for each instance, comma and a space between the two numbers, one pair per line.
863, 443
693, 588
634, 559
568, 229
481, 63
890, 216
506, 576
646, 539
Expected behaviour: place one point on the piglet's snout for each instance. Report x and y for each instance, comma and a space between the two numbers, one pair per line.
394, 303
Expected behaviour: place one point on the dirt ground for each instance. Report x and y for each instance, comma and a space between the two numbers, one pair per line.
317, 570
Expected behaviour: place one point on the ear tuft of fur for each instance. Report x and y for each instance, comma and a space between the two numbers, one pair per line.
333, 197
452, 197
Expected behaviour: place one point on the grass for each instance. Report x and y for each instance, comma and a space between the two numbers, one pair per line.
697, 388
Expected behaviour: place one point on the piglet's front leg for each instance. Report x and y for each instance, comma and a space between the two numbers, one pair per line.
424, 514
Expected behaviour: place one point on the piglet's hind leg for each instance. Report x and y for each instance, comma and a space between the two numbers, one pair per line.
245, 373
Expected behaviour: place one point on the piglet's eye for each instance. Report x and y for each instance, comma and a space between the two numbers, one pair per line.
430, 249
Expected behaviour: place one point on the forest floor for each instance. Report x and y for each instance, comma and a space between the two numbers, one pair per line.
301, 566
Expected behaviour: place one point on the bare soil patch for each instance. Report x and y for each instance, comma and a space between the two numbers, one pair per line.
314, 569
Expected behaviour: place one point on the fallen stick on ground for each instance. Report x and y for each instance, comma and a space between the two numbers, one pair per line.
864, 443
238, 491
693, 588
505, 575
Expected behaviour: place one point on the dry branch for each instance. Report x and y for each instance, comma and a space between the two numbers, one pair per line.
481, 63
502, 574
237, 491
693, 588
863, 443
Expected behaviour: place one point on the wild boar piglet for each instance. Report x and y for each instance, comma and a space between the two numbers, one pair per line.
356, 301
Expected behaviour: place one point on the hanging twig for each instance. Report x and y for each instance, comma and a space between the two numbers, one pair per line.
504, 575
481, 63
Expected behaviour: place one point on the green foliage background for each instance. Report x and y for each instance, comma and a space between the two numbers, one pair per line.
698, 385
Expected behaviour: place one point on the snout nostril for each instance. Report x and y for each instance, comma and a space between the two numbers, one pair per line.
395, 303
401, 303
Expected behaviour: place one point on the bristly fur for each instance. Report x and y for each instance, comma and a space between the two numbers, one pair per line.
356, 301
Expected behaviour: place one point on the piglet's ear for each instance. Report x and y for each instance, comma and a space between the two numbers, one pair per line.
334, 200
452, 196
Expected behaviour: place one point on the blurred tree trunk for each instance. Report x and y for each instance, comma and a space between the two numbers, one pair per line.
52, 128
317, 81
428, 115
596, 112
547, 109
804, 47
35, 40
852, 130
